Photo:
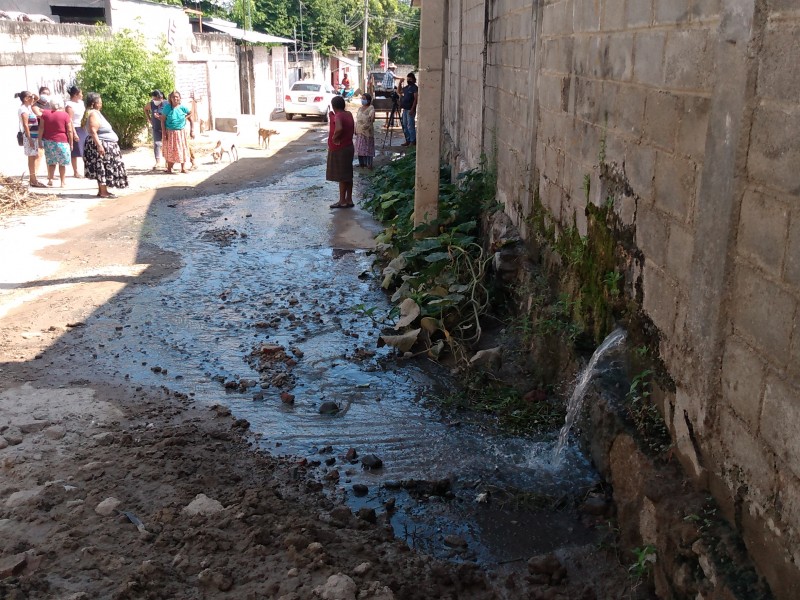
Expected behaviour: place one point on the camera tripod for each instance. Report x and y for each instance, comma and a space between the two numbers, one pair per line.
391, 123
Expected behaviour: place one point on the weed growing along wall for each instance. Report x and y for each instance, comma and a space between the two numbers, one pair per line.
683, 116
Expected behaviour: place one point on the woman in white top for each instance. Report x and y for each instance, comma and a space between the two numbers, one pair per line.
29, 128
75, 109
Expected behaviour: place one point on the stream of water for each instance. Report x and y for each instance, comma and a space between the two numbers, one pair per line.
612, 341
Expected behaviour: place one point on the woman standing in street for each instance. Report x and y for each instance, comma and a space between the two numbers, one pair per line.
56, 134
101, 155
152, 111
75, 110
340, 152
365, 132
29, 128
174, 117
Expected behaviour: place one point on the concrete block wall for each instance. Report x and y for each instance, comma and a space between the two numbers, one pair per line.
695, 105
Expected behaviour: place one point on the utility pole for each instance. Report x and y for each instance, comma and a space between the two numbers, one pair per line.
313, 74
302, 41
364, 47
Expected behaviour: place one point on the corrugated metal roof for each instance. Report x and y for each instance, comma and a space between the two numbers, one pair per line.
254, 37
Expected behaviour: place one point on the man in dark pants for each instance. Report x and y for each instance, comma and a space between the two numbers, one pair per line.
409, 105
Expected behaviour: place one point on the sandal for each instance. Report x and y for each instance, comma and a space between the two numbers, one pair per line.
337, 205
109, 195
37, 184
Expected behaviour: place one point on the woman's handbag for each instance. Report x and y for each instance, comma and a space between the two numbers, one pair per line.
19, 138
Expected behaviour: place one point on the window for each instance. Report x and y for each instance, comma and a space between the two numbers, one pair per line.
305, 87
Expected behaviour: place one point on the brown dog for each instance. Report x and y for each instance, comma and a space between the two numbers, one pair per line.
264, 135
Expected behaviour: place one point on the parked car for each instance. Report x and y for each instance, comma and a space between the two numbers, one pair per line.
308, 98
375, 80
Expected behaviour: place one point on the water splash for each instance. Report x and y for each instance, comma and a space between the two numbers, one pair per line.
614, 339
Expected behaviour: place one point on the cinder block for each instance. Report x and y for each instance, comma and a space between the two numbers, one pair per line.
778, 75
687, 63
648, 57
613, 15
588, 94
742, 381
675, 185
587, 59
627, 114
762, 312
693, 128
640, 169
557, 54
660, 295
791, 272
741, 449
775, 147
680, 249
661, 115
672, 11
706, 9
618, 57
652, 234
780, 420
763, 225
586, 15
639, 13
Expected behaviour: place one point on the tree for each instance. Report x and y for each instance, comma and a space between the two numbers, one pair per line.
404, 45
123, 69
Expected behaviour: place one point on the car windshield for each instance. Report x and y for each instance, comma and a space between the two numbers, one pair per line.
305, 87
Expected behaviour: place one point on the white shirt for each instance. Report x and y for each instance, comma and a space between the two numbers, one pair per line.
78, 108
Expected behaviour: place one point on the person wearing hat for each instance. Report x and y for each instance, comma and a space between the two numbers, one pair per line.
152, 110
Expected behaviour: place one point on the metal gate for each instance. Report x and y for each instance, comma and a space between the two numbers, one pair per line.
279, 71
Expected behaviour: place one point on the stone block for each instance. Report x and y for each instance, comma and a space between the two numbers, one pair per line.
557, 54
640, 168
648, 57
617, 57
763, 226
743, 451
687, 63
778, 75
587, 59
660, 295
652, 233
742, 381
586, 15
680, 248
639, 14
791, 270
762, 312
628, 112
675, 185
706, 9
780, 420
775, 147
661, 116
587, 99
613, 15
693, 127
673, 11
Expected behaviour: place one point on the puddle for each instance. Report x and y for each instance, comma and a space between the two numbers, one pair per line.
278, 281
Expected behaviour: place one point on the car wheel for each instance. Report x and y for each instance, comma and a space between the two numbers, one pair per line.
289, 116
325, 117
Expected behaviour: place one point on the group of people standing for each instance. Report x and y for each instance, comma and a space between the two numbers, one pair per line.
68, 131
349, 136
169, 121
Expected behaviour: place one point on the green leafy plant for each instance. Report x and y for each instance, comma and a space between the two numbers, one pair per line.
645, 559
124, 69
645, 414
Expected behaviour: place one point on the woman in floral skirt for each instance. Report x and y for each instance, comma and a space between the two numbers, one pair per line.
174, 117
101, 155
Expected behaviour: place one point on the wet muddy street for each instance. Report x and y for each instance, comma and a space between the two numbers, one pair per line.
247, 297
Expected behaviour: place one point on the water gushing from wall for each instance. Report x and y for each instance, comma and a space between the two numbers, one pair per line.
614, 339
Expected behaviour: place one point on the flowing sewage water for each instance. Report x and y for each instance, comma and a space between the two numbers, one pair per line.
614, 339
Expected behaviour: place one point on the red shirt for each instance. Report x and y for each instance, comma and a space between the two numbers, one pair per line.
348, 127
54, 125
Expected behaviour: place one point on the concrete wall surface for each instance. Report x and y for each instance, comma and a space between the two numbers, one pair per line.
686, 116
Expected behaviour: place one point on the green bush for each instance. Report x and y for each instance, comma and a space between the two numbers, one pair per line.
124, 69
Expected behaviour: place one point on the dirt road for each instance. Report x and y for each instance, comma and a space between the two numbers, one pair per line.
118, 477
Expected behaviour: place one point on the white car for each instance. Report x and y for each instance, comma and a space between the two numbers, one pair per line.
308, 98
